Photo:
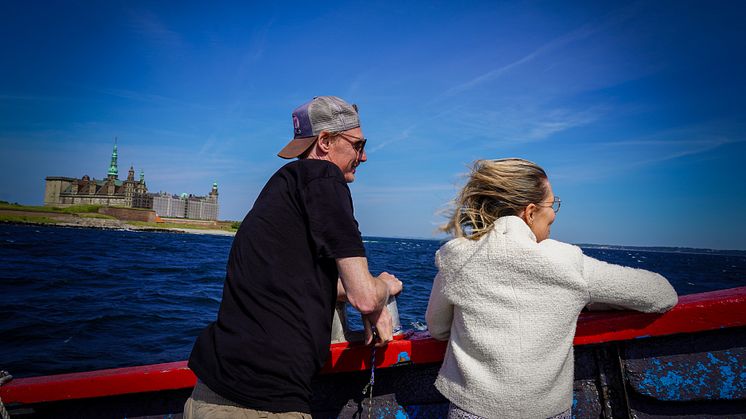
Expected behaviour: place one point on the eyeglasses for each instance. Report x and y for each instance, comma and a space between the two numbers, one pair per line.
358, 145
555, 205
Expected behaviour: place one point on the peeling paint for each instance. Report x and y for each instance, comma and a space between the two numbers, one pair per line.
402, 357
713, 375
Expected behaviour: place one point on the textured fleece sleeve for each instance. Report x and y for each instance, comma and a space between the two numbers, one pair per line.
631, 288
439, 313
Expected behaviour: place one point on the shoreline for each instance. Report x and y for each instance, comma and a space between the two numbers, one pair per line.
68, 221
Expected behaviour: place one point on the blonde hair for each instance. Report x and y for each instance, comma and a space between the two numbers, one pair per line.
495, 188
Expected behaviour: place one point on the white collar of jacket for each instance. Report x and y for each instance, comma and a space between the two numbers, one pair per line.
512, 224
458, 252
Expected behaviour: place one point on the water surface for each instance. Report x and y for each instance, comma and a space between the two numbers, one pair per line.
84, 299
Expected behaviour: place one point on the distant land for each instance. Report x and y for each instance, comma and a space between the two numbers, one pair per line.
89, 216
96, 216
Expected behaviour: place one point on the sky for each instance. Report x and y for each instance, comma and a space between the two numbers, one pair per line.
634, 109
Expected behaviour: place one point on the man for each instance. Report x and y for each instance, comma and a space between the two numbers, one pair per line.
296, 252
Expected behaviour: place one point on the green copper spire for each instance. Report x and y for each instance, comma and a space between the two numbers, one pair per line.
142, 176
113, 171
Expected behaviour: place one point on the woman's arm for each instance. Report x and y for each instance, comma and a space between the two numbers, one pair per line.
439, 313
630, 288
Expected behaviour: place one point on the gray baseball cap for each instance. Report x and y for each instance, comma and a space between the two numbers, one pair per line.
322, 113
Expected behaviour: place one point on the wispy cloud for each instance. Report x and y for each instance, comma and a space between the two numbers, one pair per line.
148, 25
559, 120
208, 146
30, 98
670, 150
401, 136
437, 192
258, 43
147, 97
408, 189
519, 124
613, 158
578, 34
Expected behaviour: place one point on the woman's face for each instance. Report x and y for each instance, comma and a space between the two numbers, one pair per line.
540, 217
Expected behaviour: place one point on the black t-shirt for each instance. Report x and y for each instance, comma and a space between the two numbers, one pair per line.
274, 324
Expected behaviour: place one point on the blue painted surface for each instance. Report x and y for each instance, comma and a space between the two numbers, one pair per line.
427, 411
402, 357
386, 412
713, 375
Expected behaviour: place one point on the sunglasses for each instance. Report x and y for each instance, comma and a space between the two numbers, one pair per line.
358, 145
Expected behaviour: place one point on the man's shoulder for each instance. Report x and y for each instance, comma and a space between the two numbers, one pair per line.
311, 169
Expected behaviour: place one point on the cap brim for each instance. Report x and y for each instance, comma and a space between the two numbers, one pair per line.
296, 147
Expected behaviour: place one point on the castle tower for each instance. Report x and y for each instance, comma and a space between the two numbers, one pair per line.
141, 188
131, 174
214, 193
113, 170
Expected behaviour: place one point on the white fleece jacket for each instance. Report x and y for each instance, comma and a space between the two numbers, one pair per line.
510, 306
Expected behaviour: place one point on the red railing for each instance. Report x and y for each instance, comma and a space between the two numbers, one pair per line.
694, 313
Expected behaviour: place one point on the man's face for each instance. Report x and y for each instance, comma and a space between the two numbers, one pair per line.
346, 152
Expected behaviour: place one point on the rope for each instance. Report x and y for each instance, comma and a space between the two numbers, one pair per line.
372, 381
4, 378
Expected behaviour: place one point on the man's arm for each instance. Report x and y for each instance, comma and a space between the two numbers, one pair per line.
341, 293
368, 294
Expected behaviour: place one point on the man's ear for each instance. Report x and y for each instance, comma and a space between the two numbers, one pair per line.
324, 142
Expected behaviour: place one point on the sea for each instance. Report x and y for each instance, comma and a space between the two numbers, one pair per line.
74, 299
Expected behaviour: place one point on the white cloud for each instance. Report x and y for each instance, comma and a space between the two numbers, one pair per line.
613, 158
147, 97
401, 136
578, 34
148, 25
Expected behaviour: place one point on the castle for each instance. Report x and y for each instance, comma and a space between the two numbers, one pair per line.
112, 192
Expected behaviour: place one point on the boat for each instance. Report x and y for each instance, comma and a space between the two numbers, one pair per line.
688, 362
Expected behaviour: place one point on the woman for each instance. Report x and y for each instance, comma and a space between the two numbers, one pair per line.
508, 298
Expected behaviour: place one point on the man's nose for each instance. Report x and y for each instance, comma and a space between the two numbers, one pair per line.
363, 156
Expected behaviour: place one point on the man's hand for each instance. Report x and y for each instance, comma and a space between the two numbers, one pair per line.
368, 294
383, 324
392, 282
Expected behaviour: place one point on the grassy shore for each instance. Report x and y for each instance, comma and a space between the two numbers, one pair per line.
26, 219
98, 216
221, 225
75, 209
88, 216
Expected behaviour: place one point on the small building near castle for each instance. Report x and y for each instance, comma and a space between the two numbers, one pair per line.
187, 205
130, 193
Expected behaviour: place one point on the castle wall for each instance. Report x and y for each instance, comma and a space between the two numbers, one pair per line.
168, 206
104, 200
206, 223
201, 209
53, 188
129, 214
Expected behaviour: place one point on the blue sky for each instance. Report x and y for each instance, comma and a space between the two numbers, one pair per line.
636, 110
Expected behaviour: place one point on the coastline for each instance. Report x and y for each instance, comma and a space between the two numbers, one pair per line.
76, 221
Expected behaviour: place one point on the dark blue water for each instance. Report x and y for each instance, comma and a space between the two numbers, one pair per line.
80, 299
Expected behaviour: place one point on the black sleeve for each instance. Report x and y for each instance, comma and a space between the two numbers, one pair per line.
332, 224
